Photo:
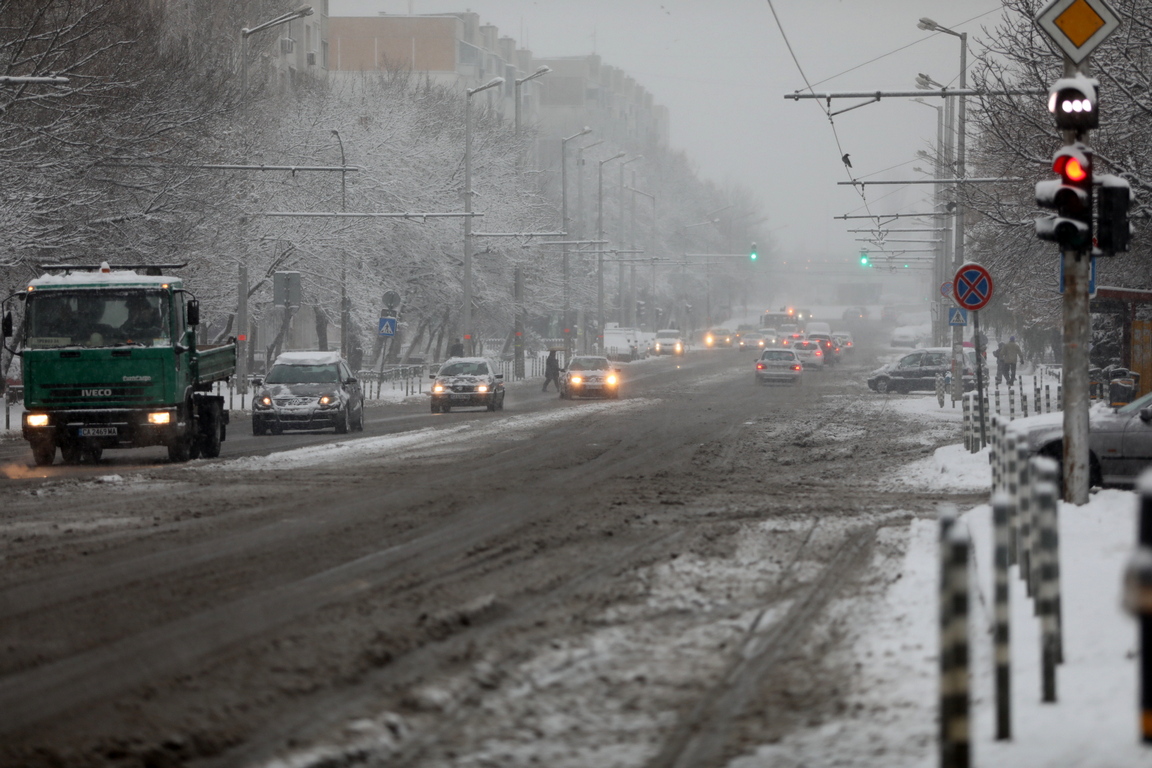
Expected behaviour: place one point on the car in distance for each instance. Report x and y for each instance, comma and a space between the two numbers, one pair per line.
829, 345
307, 390
718, 338
668, 342
589, 376
917, 371
855, 313
844, 339
810, 352
467, 382
779, 365
753, 341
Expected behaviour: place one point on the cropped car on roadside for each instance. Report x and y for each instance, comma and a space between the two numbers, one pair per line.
917, 371
1119, 440
779, 365
668, 341
467, 382
844, 339
589, 376
811, 354
307, 390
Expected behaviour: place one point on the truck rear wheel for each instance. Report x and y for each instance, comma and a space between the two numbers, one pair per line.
43, 453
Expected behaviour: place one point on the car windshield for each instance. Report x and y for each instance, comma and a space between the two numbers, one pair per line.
668, 335
1136, 405
105, 318
303, 374
778, 355
464, 369
588, 364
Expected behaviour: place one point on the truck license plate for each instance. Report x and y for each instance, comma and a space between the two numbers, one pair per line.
98, 432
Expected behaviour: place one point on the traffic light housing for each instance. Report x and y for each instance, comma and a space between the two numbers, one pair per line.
1073, 101
1070, 196
752, 254
865, 260
1112, 228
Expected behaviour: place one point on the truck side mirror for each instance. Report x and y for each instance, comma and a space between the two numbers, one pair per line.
193, 312
7, 324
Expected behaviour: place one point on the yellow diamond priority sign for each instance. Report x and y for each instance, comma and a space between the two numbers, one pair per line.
1078, 26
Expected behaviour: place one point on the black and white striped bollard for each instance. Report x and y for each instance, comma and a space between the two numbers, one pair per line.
1002, 630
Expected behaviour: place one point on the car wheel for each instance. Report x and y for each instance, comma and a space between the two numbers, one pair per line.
258, 427
883, 386
435, 407
502, 396
43, 452
445, 408
492, 403
343, 422
277, 429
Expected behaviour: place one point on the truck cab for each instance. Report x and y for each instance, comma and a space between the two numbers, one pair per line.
110, 360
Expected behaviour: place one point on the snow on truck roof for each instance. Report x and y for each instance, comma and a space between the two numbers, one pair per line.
101, 279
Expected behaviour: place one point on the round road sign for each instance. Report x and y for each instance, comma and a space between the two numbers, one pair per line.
946, 289
972, 286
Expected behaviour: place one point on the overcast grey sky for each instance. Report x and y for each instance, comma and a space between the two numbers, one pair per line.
722, 68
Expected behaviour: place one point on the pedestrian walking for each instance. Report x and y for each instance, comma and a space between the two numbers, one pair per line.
1010, 354
551, 371
999, 364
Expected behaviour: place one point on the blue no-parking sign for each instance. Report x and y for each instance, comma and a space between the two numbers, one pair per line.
387, 326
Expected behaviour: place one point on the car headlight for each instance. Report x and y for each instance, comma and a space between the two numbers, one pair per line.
657, 346
266, 401
678, 347
576, 380
611, 381
481, 387
708, 340
326, 399
437, 387
36, 419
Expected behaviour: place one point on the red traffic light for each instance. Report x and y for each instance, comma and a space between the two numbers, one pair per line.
1070, 168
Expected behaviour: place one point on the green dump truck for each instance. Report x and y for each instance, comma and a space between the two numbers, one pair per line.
110, 360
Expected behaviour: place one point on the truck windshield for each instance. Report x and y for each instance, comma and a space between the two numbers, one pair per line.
91, 318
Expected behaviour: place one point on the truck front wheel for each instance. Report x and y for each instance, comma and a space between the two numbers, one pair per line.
212, 432
43, 452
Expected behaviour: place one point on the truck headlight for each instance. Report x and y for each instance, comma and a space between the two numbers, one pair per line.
36, 419
160, 417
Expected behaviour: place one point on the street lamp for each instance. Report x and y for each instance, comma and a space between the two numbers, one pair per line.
519, 82
246, 32
600, 236
958, 248
466, 319
620, 282
343, 253
564, 225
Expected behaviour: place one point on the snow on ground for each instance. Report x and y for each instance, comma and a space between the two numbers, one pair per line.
1095, 721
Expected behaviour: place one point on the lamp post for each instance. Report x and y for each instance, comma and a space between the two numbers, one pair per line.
466, 317
246, 32
519, 82
600, 253
940, 269
343, 253
958, 247
567, 230
622, 239
651, 249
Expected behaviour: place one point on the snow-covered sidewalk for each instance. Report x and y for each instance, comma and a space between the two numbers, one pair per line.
1095, 721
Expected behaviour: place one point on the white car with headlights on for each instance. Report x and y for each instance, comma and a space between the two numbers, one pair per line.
467, 381
589, 376
668, 342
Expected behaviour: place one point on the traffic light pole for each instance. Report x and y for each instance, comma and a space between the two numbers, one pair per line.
1077, 334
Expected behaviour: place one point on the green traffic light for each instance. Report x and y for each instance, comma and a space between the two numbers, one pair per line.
864, 259
753, 255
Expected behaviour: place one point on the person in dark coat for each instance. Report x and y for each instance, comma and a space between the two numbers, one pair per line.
457, 349
551, 371
1010, 353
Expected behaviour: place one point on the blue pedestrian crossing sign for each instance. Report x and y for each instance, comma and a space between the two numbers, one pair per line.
387, 326
957, 316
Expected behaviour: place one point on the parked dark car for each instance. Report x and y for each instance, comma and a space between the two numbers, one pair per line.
467, 381
589, 376
917, 371
308, 390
